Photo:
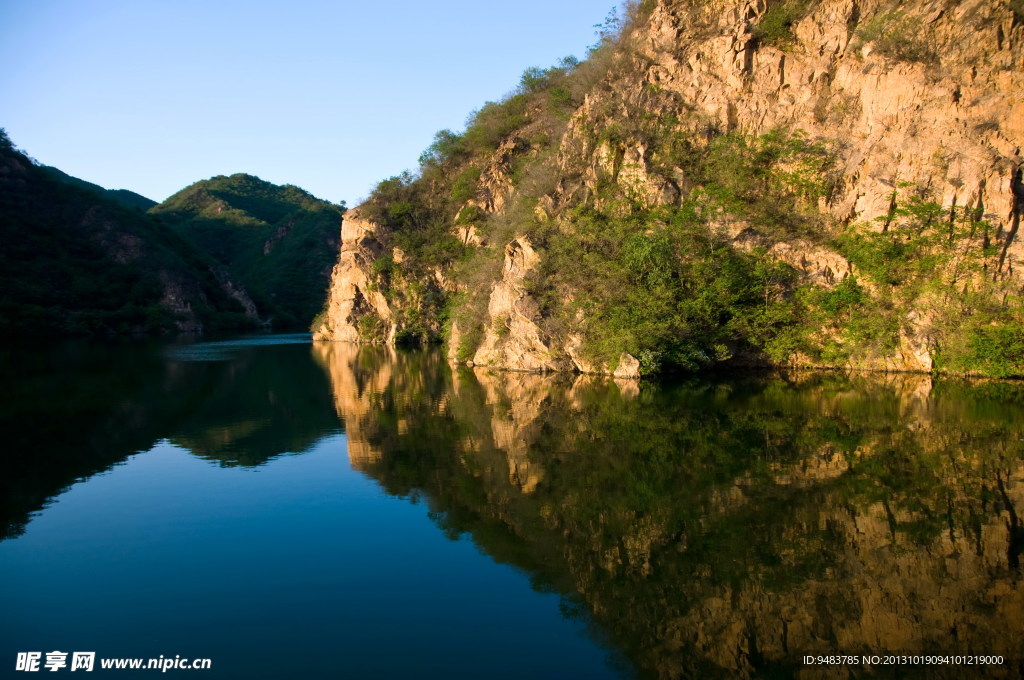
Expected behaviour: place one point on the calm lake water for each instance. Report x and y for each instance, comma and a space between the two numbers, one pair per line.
291, 510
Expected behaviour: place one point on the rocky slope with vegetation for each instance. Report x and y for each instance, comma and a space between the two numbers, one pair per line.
279, 241
805, 182
76, 260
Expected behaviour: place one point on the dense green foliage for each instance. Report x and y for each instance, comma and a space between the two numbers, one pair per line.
940, 264
76, 261
279, 241
776, 24
663, 284
658, 285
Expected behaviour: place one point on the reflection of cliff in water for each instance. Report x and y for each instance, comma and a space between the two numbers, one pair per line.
78, 408
720, 528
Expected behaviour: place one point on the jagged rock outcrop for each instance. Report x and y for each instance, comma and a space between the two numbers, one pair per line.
513, 339
918, 96
947, 116
496, 184
353, 295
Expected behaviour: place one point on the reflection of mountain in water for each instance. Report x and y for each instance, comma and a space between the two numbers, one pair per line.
76, 409
264, 402
716, 529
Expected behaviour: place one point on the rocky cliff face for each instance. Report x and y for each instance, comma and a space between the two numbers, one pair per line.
939, 108
914, 99
353, 294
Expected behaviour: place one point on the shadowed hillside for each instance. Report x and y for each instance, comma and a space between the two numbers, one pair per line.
75, 261
279, 241
127, 198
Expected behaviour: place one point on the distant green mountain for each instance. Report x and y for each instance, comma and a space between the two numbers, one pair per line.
280, 242
129, 199
76, 260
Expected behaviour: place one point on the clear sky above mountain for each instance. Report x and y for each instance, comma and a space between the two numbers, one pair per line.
330, 96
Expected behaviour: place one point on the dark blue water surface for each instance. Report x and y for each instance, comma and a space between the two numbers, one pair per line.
319, 511
298, 566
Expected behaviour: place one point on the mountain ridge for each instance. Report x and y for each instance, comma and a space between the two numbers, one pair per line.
77, 261
278, 240
125, 197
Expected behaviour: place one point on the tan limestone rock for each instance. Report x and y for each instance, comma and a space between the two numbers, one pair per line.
513, 339
352, 293
629, 366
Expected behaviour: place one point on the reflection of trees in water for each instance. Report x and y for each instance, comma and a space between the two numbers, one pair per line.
76, 409
711, 528
265, 402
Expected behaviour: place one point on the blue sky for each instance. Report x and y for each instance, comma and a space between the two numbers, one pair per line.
330, 96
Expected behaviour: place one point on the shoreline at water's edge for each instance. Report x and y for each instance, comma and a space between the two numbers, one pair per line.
727, 368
